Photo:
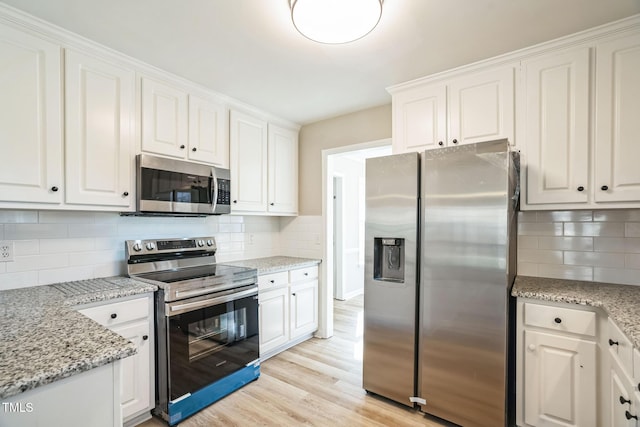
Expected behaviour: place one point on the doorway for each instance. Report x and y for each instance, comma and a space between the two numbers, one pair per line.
343, 218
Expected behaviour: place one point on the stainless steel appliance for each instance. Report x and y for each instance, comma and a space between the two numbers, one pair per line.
439, 265
207, 342
170, 186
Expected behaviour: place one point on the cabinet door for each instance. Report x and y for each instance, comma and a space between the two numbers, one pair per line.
164, 119
30, 118
135, 382
619, 399
274, 318
304, 308
481, 107
557, 127
99, 111
208, 132
617, 175
420, 119
559, 380
283, 170
248, 144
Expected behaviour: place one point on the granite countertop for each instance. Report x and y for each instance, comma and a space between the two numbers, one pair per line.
275, 264
621, 302
44, 339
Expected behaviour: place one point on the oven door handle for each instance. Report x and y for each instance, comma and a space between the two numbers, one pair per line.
177, 308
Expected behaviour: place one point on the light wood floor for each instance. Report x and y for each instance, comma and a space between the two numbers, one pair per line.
316, 383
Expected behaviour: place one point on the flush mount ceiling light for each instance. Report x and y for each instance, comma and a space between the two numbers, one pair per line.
335, 21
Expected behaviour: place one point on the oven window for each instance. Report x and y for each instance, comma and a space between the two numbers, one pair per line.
175, 186
208, 335
210, 343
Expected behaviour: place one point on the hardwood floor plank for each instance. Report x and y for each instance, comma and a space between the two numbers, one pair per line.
316, 383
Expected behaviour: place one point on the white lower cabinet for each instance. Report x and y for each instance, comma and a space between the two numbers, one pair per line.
557, 371
288, 309
132, 319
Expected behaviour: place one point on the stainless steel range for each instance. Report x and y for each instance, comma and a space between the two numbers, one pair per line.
207, 343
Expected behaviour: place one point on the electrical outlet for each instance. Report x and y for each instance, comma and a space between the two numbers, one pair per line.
6, 250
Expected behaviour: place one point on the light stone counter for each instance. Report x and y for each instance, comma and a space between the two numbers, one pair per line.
621, 302
275, 264
43, 339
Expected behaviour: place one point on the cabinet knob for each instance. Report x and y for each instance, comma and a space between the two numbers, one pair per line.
271, 204
624, 401
235, 201
54, 189
604, 188
581, 188
125, 194
531, 347
114, 315
440, 143
306, 274
557, 320
628, 415
194, 149
455, 141
293, 294
272, 281
612, 342
182, 147
145, 337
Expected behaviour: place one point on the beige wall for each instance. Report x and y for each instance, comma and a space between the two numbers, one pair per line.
355, 128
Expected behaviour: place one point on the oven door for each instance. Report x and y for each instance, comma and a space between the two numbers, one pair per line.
210, 338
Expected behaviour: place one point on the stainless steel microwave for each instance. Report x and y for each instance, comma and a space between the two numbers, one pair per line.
177, 187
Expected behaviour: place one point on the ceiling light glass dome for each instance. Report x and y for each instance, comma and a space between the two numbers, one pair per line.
335, 21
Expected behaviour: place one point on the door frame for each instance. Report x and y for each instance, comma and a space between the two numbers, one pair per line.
325, 318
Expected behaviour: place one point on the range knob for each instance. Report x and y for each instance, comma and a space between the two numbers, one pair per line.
137, 247
201, 243
150, 246
209, 242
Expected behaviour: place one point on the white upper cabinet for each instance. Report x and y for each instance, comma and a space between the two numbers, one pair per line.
99, 114
575, 156
264, 166
208, 141
282, 170
183, 125
467, 109
617, 143
481, 107
556, 127
30, 118
164, 119
420, 119
248, 143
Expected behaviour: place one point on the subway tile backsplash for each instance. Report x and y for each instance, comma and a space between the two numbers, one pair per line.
602, 245
57, 246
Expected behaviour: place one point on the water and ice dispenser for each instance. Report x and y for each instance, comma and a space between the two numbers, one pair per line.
388, 259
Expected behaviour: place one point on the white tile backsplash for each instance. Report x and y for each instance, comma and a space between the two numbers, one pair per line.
57, 246
599, 245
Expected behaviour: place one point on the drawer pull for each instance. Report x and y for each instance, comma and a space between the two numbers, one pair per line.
624, 401
145, 337
612, 342
114, 315
629, 416
557, 320
440, 143
306, 274
272, 281
581, 188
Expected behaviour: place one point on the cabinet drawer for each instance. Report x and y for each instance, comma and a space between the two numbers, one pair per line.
303, 274
273, 280
560, 319
620, 346
118, 312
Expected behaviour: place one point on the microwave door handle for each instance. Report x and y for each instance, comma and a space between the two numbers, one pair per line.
214, 190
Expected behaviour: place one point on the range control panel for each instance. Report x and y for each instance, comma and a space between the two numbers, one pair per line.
167, 246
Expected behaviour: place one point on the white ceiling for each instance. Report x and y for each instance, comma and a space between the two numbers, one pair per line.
249, 50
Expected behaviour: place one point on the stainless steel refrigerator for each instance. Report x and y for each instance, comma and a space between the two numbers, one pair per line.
440, 260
